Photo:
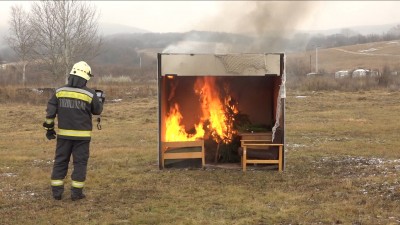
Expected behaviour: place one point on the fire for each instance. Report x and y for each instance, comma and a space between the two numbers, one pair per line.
175, 131
218, 114
214, 109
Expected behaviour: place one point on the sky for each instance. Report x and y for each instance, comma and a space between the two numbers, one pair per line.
234, 16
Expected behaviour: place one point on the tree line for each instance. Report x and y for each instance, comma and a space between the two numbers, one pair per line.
350, 37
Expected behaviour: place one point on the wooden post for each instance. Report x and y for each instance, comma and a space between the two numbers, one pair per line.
280, 158
162, 156
216, 154
244, 158
203, 161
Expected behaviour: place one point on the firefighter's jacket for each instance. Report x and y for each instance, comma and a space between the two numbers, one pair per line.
74, 105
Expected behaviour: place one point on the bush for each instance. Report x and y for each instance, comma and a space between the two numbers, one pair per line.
114, 80
20, 94
328, 83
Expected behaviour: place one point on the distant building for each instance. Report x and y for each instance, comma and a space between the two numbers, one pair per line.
342, 74
374, 73
365, 73
360, 73
3, 65
313, 74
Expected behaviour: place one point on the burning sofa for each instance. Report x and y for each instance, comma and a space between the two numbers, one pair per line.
210, 103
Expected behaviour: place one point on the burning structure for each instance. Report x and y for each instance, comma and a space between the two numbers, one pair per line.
208, 103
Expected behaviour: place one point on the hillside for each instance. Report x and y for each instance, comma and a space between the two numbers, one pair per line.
371, 55
110, 29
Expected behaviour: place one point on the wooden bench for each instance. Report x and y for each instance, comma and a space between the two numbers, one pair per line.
168, 153
261, 146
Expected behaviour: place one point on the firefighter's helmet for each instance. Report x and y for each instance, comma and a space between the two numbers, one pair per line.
82, 69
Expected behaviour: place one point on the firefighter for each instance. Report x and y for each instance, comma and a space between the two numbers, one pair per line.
73, 104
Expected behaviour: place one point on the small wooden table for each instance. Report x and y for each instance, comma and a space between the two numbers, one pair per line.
262, 141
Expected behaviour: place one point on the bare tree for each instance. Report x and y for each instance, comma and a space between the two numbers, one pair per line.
21, 38
394, 32
68, 32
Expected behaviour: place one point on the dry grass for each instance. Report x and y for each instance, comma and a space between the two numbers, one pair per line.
39, 95
342, 167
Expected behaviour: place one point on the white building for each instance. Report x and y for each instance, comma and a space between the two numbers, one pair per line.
342, 74
360, 73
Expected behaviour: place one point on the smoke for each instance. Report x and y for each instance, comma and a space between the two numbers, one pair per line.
269, 17
274, 23
198, 47
269, 25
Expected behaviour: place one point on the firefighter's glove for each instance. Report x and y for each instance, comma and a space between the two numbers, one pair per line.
49, 127
51, 134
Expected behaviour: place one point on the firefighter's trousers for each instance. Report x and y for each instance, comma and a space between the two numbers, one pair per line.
79, 149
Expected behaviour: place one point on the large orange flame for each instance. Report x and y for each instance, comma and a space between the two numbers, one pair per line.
175, 131
219, 114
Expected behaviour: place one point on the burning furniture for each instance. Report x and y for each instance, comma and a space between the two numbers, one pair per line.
179, 150
209, 102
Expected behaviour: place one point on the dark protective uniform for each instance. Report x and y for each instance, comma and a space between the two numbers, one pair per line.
74, 105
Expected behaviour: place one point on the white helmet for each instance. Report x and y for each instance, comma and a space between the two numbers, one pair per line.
82, 69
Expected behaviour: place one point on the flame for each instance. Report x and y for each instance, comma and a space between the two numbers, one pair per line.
218, 113
175, 131
214, 110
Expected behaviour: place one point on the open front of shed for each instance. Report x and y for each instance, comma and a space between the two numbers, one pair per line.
217, 110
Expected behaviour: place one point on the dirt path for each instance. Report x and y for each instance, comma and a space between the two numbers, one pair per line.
362, 53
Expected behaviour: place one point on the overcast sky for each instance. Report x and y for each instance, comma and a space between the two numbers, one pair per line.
180, 16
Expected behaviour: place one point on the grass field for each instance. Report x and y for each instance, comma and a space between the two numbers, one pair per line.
368, 56
342, 167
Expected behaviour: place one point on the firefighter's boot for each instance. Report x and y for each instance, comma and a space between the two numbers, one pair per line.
77, 194
57, 192
57, 189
